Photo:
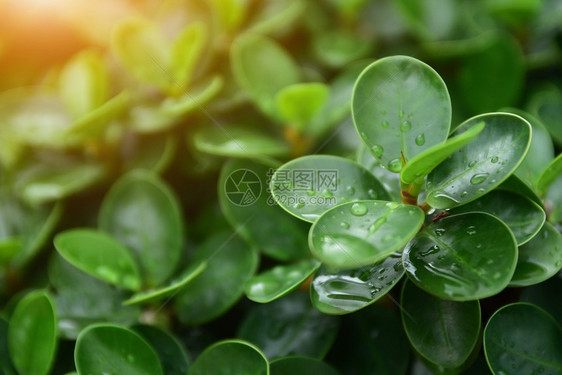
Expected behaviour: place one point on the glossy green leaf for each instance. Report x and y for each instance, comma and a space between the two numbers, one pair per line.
517, 185
252, 212
172, 354
289, 326
300, 366
143, 213
83, 83
540, 258
99, 255
400, 106
348, 291
523, 216
238, 142
186, 50
523, 339
423, 163
462, 257
279, 281
262, 68
308, 186
390, 180
81, 299
230, 357
32, 334
444, 332
169, 290
546, 105
493, 77
230, 264
547, 177
371, 341
299, 103
357, 234
481, 165
546, 296
108, 349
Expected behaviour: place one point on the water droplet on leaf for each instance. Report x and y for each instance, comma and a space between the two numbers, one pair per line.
420, 139
377, 150
405, 126
395, 165
478, 178
358, 209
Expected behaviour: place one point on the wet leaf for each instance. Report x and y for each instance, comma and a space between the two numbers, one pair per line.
230, 357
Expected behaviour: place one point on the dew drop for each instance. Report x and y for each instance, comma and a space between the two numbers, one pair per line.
344, 225
472, 163
464, 194
377, 150
377, 224
363, 135
395, 165
372, 194
326, 193
432, 250
358, 209
384, 124
481, 190
420, 139
478, 178
298, 205
439, 232
401, 114
494, 159
405, 126
392, 205
471, 230
350, 190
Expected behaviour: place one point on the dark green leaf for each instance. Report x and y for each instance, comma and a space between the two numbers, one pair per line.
546, 295
108, 349
517, 185
481, 165
308, 186
546, 104
32, 334
172, 354
230, 357
348, 291
6, 366
523, 339
99, 255
444, 332
300, 366
400, 106
390, 180
357, 234
462, 257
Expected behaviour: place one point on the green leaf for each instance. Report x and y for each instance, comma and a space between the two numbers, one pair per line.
430, 20
83, 83
186, 50
99, 255
253, 213
338, 47
546, 105
390, 180
546, 296
32, 334
230, 357
462, 257
230, 264
172, 354
517, 185
357, 234
423, 163
169, 290
299, 103
279, 280
6, 364
142, 49
444, 332
308, 186
348, 291
262, 68
523, 216
238, 142
108, 349
540, 258
547, 177
400, 106
522, 338
289, 326
493, 77
276, 17
481, 165
142, 212
229, 13
154, 152
295, 365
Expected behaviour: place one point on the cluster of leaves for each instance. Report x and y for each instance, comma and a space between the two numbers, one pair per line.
432, 228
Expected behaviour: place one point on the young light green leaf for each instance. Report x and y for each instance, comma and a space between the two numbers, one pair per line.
462, 257
32, 334
338, 47
423, 163
444, 332
295, 365
230, 264
348, 291
289, 326
552, 171
299, 103
262, 68
173, 356
400, 106
357, 234
143, 213
523, 216
99, 255
108, 349
540, 258
238, 142
279, 281
186, 49
471, 172
229, 14
523, 339
276, 17
230, 357
308, 186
